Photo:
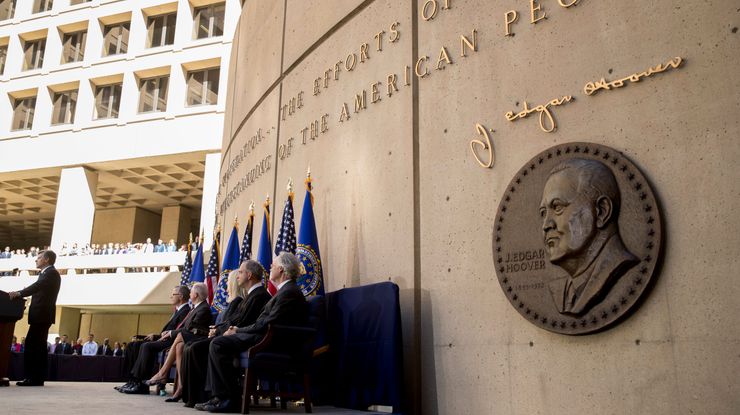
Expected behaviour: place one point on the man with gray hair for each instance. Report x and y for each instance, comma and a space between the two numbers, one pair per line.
580, 209
288, 307
195, 323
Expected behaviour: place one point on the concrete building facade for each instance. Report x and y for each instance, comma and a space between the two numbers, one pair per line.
400, 110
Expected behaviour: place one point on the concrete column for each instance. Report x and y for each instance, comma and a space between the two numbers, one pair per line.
175, 224
75, 209
137, 34
67, 322
184, 26
14, 60
208, 203
176, 92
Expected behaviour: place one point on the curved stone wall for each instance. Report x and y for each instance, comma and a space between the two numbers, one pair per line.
382, 100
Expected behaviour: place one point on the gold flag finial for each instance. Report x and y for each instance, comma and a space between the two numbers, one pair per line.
251, 209
290, 188
309, 187
267, 201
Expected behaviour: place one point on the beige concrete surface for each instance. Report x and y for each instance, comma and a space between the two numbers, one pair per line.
400, 197
90, 397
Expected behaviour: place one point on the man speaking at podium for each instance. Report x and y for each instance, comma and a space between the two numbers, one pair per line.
41, 315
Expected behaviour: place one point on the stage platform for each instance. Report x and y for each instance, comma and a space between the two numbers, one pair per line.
99, 397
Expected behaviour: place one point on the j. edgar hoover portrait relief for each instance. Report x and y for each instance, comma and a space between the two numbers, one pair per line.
579, 210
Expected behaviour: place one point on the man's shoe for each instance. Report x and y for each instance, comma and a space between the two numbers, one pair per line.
189, 405
137, 389
124, 386
29, 382
222, 406
202, 406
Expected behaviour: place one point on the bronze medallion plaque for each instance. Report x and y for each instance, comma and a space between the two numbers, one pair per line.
577, 238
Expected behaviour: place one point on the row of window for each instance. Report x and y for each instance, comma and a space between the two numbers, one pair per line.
202, 89
208, 22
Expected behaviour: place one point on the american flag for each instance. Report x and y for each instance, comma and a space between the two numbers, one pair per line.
286, 238
246, 252
212, 270
186, 268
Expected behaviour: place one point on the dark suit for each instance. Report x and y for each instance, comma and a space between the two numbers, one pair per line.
194, 369
41, 315
63, 348
196, 322
288, 307
133, 348
117, 352
105, 350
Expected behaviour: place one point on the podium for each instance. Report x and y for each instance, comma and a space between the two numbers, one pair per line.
10, 312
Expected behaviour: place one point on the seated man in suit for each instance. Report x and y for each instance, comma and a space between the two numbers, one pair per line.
246, 297
288, 307
179, 298
201, 322
196, 323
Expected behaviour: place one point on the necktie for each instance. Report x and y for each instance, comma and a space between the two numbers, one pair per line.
185, 319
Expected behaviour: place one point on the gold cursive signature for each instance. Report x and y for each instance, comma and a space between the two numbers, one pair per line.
544, 113
485, 145
594, 87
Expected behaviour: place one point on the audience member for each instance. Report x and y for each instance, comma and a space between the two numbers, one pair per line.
134, 356
104, 349
64, 346
171, 247
117, 350
90, 348
53, 347
77, 347
197, 328
288, 307
15, 346
247, 298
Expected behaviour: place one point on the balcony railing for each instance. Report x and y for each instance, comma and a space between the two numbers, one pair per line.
118, 263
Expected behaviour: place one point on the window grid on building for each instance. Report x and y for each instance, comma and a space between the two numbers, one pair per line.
73, 46
153, 94
64, 105
107, 101
7, 9
23, 109
115, 38
3, 58
161, 29
40, 6
209, 21
203, 87
33, 51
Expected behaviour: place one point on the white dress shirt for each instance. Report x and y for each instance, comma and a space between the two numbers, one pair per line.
90, 349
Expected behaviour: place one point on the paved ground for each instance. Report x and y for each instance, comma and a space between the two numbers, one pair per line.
60, 398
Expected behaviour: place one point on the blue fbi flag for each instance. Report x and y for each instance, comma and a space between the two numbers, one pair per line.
264, 250
231, 262
198, 274
311, 280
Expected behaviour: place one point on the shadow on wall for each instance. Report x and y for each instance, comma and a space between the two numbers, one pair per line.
428, 365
